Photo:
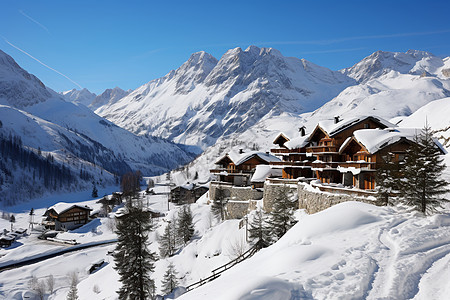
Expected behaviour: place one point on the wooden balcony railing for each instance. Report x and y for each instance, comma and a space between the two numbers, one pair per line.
290, 163
285, 151
322, 149
230, 172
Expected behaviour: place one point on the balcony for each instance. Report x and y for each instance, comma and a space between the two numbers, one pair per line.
358, 165
286, 151
322, 149
230, 171
291, 163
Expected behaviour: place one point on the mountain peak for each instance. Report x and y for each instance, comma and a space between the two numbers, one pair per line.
193, 71
382, 62
19, 88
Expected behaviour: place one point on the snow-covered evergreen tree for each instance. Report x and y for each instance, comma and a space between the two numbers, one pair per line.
259, 231
422, 184
134, 262
185, 224
73, 291
94, 190
282, 215
170, 280
388, 178
218, 204
167, 242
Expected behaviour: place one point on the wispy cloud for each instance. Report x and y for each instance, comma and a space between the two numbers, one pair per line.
48, 67
353, 38
333, 50
33, 20
146, 54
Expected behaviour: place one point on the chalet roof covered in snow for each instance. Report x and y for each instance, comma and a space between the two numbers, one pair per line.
297, 142
62, 207
264, 171
332, 128
238, 158
377, 139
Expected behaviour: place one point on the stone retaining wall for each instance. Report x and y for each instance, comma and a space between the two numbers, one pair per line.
315, 201
240, 200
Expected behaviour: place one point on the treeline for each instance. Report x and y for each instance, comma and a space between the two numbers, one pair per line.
43, 170
97, 154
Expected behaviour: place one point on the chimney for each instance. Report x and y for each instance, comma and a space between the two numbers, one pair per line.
302, 131
336, 120
241, 151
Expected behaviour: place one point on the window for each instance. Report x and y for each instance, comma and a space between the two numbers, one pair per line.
366, 126
401, 157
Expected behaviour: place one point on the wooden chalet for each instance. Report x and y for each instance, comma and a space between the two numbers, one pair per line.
346, 152
237, 168
294, 162
187, 194
66, 216
325, 141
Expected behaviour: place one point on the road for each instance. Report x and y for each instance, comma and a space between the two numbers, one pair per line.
34, 260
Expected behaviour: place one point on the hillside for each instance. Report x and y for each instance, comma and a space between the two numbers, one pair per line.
72, 134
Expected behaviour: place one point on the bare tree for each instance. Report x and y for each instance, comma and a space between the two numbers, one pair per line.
237, 247
50, 283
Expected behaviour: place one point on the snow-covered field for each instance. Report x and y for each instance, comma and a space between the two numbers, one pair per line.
350, 251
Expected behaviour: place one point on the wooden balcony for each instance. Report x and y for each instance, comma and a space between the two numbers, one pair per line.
290, 163
286, 151
230, 172
358, 165
322, 149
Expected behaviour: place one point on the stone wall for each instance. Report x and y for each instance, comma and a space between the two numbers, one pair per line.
235, 192
236, 209
315, 201
271, 192
240, 200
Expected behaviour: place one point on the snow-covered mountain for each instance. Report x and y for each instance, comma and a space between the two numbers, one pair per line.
93, 101
411, 62
205, 99
17, 86
83, 96
71, 132
109, 96
391, 93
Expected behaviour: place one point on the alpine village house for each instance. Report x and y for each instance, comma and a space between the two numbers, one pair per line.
339, 156
66, 216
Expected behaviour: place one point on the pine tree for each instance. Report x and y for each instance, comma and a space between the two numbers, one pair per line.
424, 166
259, 232
73, 291
282, 215
218, 205
170, 281
167, 242
388, 178
134, 262
185, 225
94, 190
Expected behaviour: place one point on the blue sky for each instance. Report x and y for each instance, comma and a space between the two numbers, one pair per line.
103, 44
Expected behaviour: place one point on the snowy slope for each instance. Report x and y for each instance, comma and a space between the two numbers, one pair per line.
350, 251
436, 115
83, 96
205, 99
